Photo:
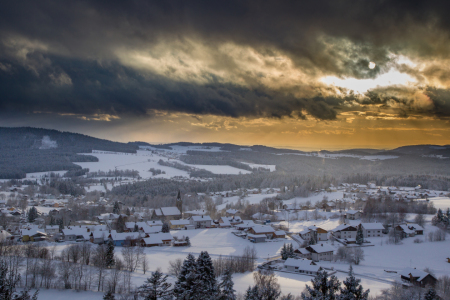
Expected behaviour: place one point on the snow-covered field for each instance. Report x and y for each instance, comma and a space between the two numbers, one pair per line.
441, 202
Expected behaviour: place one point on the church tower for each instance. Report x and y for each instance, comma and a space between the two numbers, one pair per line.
179, 203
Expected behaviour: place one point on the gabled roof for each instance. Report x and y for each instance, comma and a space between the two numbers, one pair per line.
414, 226
321, 248
262, 229
280, 232
153, 240
200, 218
343, 227
302, 264
372, 226
303, 251
352, 212
179, 222
170, 211
124, 235
415, 273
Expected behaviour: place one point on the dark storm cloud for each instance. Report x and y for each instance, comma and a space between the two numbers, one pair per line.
61, 56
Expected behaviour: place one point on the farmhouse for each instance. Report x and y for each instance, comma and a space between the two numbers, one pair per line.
302, 266
151, 241
417, 278
345, 231
320, 252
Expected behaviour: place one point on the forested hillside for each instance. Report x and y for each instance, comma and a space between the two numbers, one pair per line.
24, 150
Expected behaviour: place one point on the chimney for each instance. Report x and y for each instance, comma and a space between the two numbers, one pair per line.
321, 245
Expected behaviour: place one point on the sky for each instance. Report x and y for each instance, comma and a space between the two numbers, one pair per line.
299, 74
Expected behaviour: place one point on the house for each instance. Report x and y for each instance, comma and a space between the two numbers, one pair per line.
246, 224
405, 231
256, 238
303, 253
124, 238
75, 233
319, 234
414, 277
166, 237
98, 237
52, 229
166, 213
279, 234
178, 224
267, 231
417, 228
224, 222
152, 241
200, 221
345, 231
302, 266
321, 252
352, 214
372, 229
234, 220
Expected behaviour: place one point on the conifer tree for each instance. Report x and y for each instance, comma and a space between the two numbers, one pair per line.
291, 253
120, 224
206, 278
110, 260
136, 228
227, 291
359, 236
252, 293
352, 289
116, 208
32, 214
322, 287
165, 227
52, 221
431, 295
184, 285
156, 287
284, 252
61, 224
188, 241
109, 296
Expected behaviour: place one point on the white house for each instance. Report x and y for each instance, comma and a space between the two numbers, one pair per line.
345, 231
321, 252
302, 266
372, 229
200, 221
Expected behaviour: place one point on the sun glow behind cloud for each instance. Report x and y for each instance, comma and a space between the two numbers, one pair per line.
393, 77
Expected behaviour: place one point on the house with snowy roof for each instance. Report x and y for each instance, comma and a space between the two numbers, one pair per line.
302, 266
178, 224
200, 221
303, 253
166, 213
125, 238
414, 277
52, 229
352, 214
372, 229
246, 224
345, 231
321, 252
261, 230
320, 234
